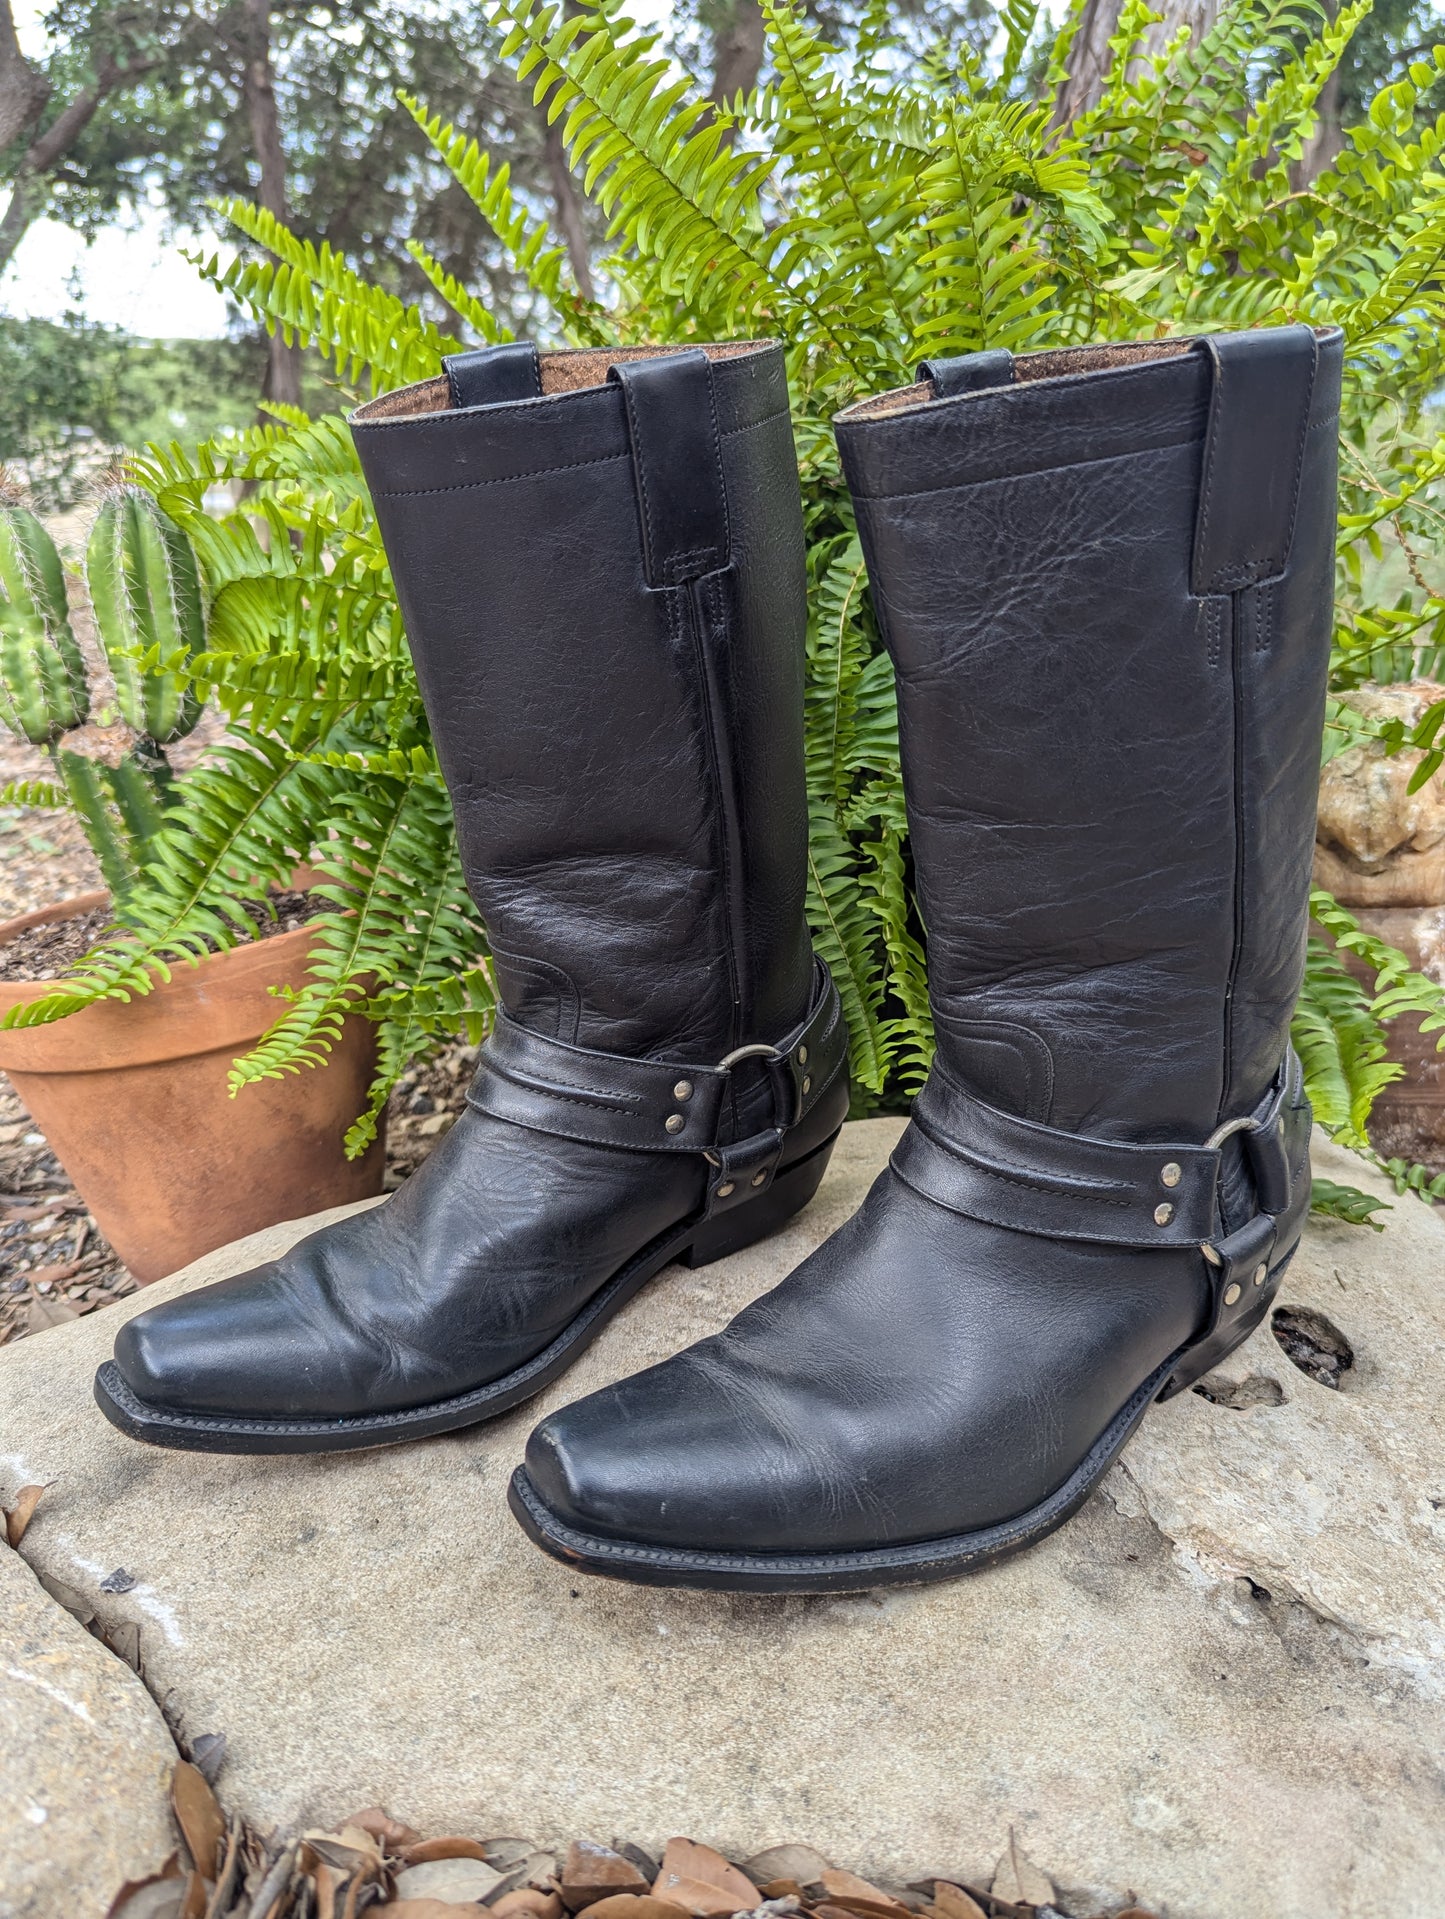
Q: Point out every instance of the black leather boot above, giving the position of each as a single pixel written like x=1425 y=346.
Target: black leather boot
x=1104 y=576
x=599 y=558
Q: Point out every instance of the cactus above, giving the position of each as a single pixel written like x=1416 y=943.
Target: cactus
x=146 y=591
x=43 y=689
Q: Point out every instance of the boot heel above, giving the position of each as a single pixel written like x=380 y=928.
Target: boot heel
x=1204 y=1357
x=745 y=1225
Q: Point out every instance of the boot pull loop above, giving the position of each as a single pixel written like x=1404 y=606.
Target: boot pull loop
x=677 y=465
x=969 y=373
x=491 y=375
x=1259 y=415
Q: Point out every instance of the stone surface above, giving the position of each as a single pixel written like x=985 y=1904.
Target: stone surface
x=1219 y=1686
x=85 y=1761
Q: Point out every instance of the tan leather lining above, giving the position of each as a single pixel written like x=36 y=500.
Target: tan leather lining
x=1055 y=364
x=570 y=370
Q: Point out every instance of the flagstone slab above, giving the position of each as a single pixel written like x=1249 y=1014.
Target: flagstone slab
x=85 y=1761
x=1219 y=1687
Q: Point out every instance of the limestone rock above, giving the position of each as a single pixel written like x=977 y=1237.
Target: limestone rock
x=85 y=1761
x=1380 y=844
x=1217 y=1687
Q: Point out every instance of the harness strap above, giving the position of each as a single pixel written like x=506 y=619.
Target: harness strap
x=663 y=1106
x=990 y=1165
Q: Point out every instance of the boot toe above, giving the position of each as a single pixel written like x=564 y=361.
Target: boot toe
x=227 y=1349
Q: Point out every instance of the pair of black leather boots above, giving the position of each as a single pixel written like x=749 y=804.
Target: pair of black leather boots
x=1104 y=576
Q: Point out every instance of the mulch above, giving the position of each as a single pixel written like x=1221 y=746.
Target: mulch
x=373 y=1863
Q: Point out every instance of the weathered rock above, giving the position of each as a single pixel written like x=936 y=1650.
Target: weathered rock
x=1218 y=1686
x=1380 y=844
x=85 y=1761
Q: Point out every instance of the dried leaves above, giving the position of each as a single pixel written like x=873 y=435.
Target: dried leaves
x=19 y=1516
x=375 y=1866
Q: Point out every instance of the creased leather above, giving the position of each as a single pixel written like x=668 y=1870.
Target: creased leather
x=625 y=763
x=1110 y=790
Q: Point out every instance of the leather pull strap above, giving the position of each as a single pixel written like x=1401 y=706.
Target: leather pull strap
x=491 y=375
x=969 y=373
x=677 y=463
x=1259 y=411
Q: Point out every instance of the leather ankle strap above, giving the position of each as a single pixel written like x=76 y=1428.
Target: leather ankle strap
x=990 y=1165
x=663 y=1106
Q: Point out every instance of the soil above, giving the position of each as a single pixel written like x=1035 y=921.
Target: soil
x=46 y=952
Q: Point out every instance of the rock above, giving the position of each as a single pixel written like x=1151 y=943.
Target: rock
x=85 y=1761
x=1380 y=844
x=1218 y=1688
x=455 y=1882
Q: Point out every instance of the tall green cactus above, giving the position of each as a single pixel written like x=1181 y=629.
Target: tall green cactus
x=43 y=689
x=145 y=587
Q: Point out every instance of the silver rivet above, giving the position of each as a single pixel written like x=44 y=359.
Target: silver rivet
x=726 y=1188
x=760 y=1179
x=802 y=1056
x=674 y=1122
x=807 y=1086
x=1171 y=1174
x=1261 y=1274
x=1163 y=1214
x=1231 y=1294
x=683 y=1089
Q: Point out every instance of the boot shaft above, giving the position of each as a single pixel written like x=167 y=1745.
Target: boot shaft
x=1105 y=577
x=599 y=560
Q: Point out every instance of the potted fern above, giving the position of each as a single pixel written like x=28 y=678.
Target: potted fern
x=870 y=208
x=132 y=1092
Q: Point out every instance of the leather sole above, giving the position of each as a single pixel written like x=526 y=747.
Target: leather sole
x=695 y=1243
x=861 y=1569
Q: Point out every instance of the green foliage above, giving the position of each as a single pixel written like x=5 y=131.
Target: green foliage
x=867 y=208
x=71 y=390
x=1347 y=1203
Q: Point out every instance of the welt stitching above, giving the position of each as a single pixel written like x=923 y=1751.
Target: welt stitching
x=499 y=479
x=1206 y=494
x=1299 y=456
x=730 y=432
x=1027 y=473
x=639 y=467
x=715 y=448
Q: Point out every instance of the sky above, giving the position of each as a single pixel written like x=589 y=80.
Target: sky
x=133 y=277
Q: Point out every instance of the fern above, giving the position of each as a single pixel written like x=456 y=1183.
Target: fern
x=868 y=207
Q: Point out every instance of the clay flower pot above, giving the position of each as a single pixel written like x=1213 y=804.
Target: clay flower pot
x=131 y=1095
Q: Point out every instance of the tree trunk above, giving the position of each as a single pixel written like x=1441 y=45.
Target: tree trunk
x=283 y=363
x=1327 y=141
x=567 y=202
x=23 y=91
x=30 y=188
x=737 y=52
x=1090 y=59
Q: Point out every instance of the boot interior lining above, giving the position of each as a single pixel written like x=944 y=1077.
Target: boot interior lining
x=1056 y=364
x=570 y=370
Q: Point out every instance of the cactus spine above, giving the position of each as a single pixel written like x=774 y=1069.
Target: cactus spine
x=43 y=689
x=146 y=591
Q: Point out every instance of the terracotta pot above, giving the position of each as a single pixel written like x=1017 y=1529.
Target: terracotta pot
x=131 y=1095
